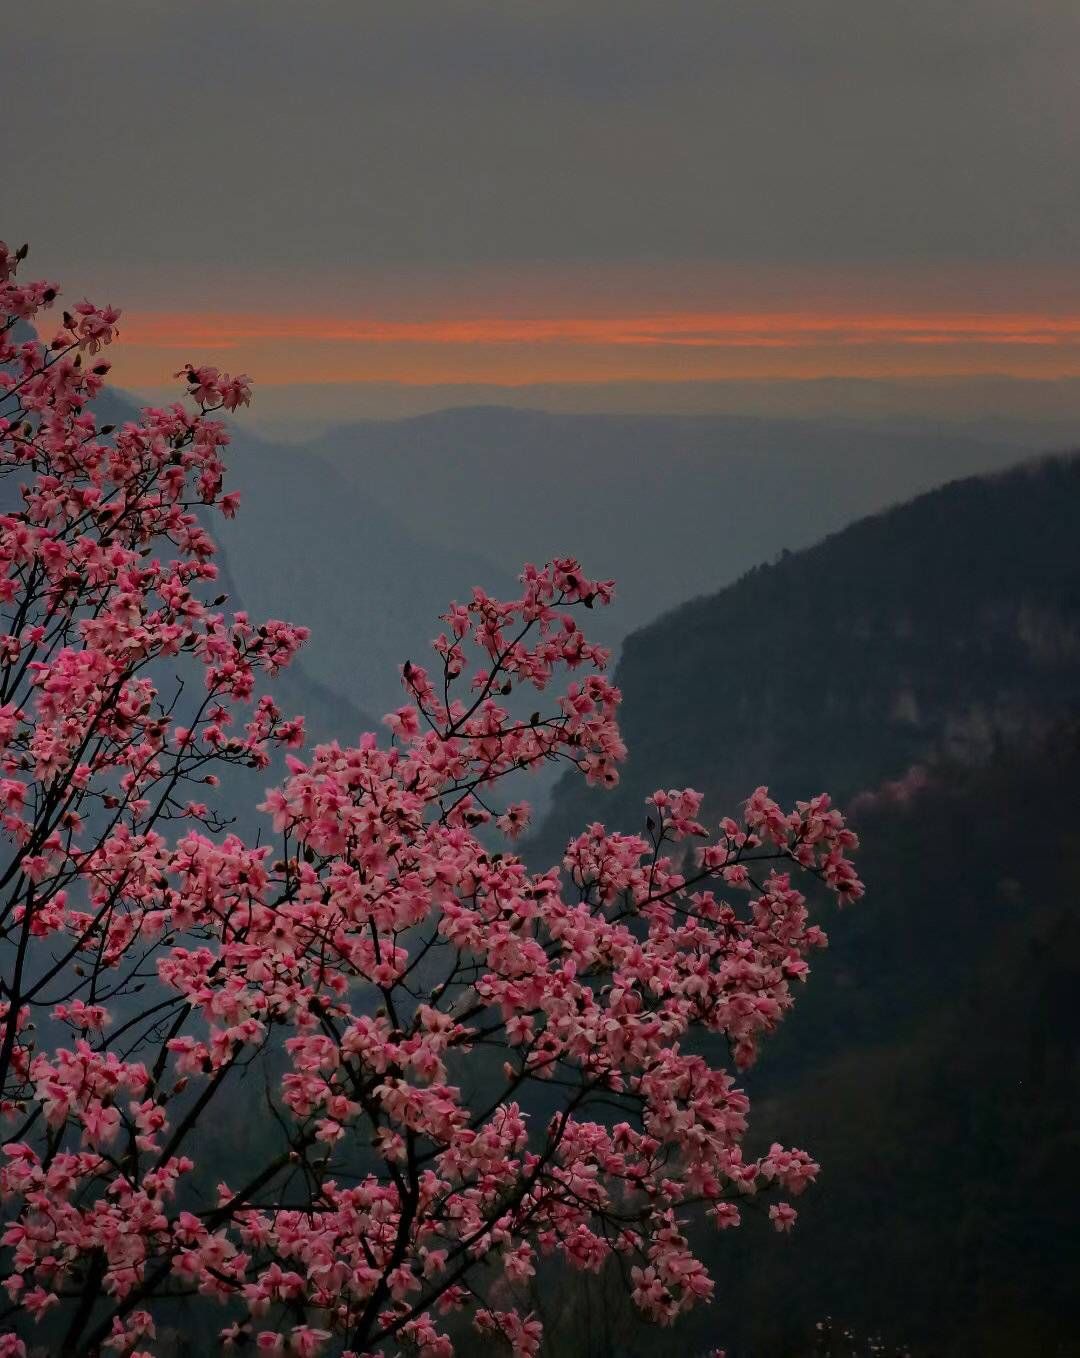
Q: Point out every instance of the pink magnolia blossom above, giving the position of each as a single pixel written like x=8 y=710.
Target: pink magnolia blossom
x=358 y=960
x=782 y=1215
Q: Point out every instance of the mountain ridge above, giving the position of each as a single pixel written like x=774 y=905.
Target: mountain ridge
x=787 y=660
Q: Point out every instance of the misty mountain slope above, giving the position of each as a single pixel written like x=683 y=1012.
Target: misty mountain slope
x=315 y=548
x=329 y=714
x=943 y=626
x=669 y=506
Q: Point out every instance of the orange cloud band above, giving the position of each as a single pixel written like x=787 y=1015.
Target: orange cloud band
x=716 y=329
x=292 y=347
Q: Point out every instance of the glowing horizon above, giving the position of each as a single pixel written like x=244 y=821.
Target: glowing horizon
x=659 y=346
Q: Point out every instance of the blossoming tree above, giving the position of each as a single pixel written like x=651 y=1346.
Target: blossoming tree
x=372 y=954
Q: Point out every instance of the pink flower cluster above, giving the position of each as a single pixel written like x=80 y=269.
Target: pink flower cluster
x=405 y=982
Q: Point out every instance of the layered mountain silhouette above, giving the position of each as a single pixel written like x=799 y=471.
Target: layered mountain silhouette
x=367 y=532
x=313 y=546
x=669 y=506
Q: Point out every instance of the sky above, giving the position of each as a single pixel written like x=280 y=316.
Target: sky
x=637 y=196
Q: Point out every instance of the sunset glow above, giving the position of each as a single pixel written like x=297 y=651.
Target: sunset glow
x=696 y=345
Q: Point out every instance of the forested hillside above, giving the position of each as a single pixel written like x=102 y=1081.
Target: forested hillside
x=932 y=1063
x=942 y=627
x=933 y=1068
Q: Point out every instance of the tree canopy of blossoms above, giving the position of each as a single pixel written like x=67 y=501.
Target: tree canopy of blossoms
x=453 y=1066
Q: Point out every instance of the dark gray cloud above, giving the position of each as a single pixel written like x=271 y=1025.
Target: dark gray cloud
x=343 y=131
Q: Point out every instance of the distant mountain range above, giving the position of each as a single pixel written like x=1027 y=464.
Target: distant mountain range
x=670 y=506
x=367 y=532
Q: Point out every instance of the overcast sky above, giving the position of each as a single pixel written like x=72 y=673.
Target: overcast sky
x=490 y=158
